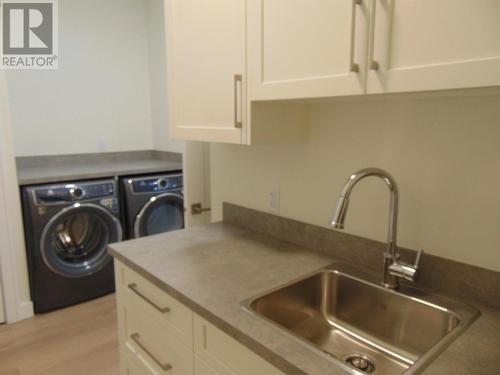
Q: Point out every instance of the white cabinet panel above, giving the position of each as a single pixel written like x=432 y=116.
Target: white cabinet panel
x=202 y=368
x=156 y=306
x=224 y=354
x=305 y=49
x=149 y=339
x=133 y=364
x=431 y=45
x=206 y=52
x=156 y=345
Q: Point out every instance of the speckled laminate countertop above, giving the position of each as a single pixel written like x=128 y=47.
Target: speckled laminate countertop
x=213 y=268
x=82 y=169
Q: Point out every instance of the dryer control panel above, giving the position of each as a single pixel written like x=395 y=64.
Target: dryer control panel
x=156 y=184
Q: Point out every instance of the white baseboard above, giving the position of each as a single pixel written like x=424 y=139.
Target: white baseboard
x=25 y=310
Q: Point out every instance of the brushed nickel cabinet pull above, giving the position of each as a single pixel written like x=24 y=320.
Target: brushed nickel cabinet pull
x=354 y=67
x=133 y=288
x=373 y=64
x=238 y=81
x=137 y=339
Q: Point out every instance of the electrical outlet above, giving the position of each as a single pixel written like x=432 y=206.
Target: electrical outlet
x=274 y=201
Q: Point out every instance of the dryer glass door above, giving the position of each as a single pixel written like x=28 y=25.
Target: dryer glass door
x=162 y=213
x=73 y=244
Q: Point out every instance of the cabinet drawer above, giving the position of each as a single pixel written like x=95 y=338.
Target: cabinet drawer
x=134 y=364
x=153 y=303
x=224 y=354
x=158 y=348
x=201 y=368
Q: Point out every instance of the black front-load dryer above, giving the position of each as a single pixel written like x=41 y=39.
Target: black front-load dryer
x=153 y=204
x=68 y=227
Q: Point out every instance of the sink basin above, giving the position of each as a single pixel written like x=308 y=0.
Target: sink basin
x=347 y=316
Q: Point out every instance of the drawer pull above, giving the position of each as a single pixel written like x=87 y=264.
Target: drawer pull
x=133 y=288
x=137 y=339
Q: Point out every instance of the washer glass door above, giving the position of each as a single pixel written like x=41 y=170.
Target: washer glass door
x=74 y=242
x=162 y=213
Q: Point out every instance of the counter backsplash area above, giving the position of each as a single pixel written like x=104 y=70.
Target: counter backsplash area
x=441 y=275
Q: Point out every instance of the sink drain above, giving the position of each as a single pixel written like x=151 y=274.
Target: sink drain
x=361 y=362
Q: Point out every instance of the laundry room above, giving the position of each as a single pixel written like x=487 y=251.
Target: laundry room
x=249 y=187
x=92 y=158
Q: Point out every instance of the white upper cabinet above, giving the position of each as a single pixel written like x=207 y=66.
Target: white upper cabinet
x=206 y=61
x=433 y=45
x=306 y=49
x=233 y=65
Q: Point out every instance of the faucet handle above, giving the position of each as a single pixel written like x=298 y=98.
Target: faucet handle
x=417 y=259
x=404 y=270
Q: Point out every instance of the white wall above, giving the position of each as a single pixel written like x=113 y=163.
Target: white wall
x=101 y=91
x=158 y=78
x=444 y=154
x=100 y=94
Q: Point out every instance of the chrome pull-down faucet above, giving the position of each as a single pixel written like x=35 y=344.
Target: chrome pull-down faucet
x=394 y=269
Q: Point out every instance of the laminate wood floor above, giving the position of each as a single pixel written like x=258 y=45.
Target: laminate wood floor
x=78 y=340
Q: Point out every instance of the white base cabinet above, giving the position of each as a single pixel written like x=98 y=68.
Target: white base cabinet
x=220 y=353
x=160 y=336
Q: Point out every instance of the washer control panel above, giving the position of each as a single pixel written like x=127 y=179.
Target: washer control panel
x=75 y=192
x=156 y=184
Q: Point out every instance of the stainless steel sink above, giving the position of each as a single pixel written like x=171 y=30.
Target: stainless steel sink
x=366 y=328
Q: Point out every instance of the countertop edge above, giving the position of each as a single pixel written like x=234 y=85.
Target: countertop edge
x=92 y=175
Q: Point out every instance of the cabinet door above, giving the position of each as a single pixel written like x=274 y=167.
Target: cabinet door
x=134 y=365
x=206 y=69
x=433 y=45
x=225 y=356
x=306 y=49
x=151 y=341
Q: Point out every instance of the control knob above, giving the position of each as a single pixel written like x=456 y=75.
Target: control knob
x=76 y=192
x=162 y=183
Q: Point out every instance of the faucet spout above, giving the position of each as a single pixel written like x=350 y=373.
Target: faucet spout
x=391 y=257
x=343 y=201
x=340 y=211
